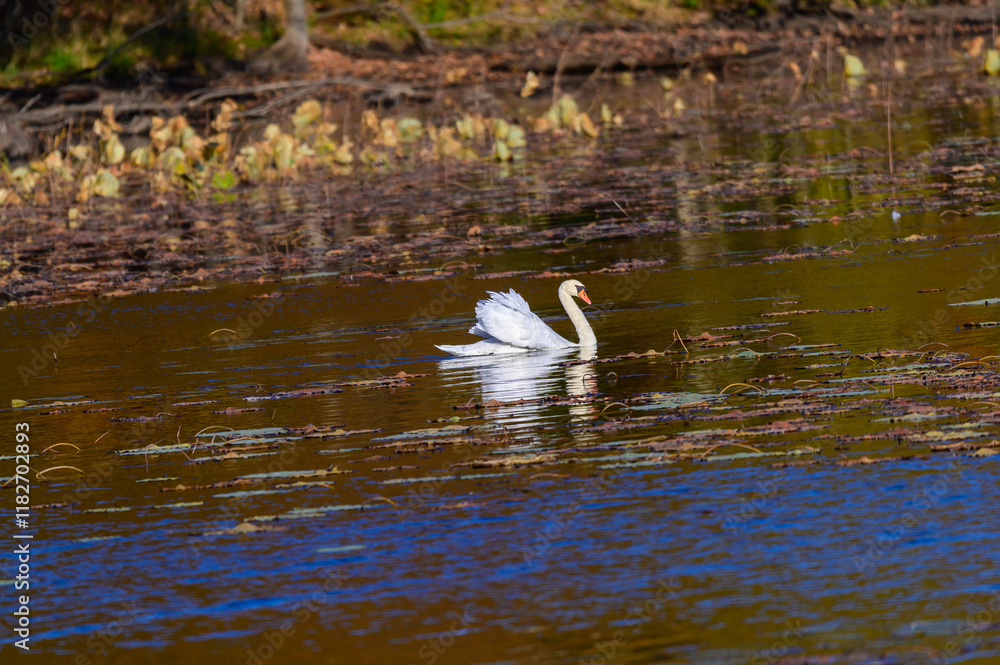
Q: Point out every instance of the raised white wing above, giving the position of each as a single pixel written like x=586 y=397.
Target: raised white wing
x=508 y=318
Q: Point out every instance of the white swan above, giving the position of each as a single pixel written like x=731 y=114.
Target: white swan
x=509 y=325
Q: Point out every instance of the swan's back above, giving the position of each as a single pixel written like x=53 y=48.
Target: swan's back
x=508 y=318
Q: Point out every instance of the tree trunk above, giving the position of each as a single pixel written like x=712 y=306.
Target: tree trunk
x=288 y=54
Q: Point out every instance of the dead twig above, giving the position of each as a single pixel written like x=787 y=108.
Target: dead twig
x=745 y=385
x=733 y=443
x=56 y=468
x=61 y=444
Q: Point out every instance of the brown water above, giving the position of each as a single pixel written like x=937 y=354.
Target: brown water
x=567 y=530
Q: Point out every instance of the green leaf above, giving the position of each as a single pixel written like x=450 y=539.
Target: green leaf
x=409 y=129
x=224 y=180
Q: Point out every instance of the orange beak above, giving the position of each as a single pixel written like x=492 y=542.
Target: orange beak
x=583 y=296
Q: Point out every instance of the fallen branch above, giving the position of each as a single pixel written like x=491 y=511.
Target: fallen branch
x=54 y=117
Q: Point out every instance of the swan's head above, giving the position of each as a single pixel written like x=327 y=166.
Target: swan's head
x=574 y=287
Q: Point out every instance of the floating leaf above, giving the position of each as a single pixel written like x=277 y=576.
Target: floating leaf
x=337 y=550
x=282 y=475
x=180 y=504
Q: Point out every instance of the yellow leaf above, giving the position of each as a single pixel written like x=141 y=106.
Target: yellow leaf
x=114 y=151
x=370 y=120
x=585 y=126
x=530 y=84
x=516 y=137
x=106 y=184
x=343 y=154
x=567 y=110
x=853 y=65
x=271 y=132
x=80 y=152
x=283 y=152
x=223 y=121
x=501 y=128
x=9 y=196
x=109 y=118
x=388 y=133
x=991 y=64
x=307 y=113
x=501 y=152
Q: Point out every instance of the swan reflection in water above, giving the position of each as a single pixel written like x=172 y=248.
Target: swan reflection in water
x=525 y=376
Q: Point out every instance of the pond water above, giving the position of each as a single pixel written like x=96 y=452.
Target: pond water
x=562 y=506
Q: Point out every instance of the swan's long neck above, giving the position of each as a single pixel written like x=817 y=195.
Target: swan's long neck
x=583 y=329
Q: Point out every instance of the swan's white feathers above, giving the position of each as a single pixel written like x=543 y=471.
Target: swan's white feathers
x=508 y=318
x=508 y=325
x=486 y=347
